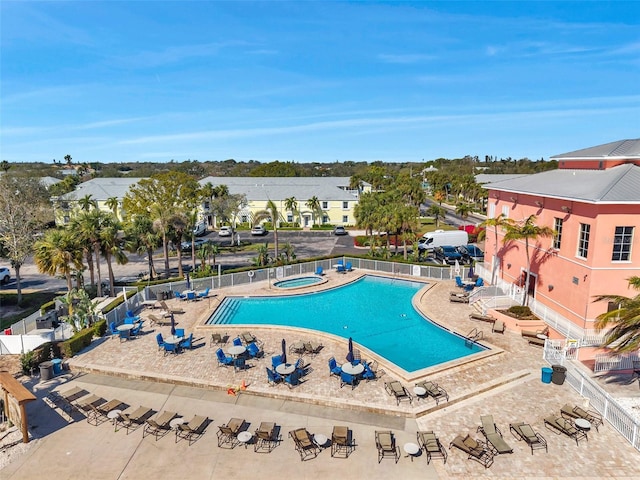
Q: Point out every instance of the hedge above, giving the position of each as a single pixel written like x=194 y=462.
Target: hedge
x=80 y=340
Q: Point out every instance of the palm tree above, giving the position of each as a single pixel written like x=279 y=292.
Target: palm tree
x=464 y=209
x=141 y=238
x=497 y=222
x=58 y=252
x=86 y=203
x=270 y=212
x=178 y=224
x=262 y=259
x=112 y=247
x=291 y=204
x=112 y=203
x=209 y=251
x=526 y=231
x=437 y=212
x=87 y=226
x=314 y=205
x=624 y=336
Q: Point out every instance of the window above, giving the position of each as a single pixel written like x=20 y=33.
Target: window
x=505 y=211
x=325 y=219
x=244 y=219
x=289 y=218
x=345 y=219
x=66 y=219
x=583 y=241
x=622 y=244
x=345 y=205
x=207 y=205
x=492 y=210
x=325 y=205
x=557 y=228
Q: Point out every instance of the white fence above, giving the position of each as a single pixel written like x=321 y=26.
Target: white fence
x=605 y=363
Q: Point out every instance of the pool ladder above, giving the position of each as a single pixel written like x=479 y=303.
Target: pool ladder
x=473 y=336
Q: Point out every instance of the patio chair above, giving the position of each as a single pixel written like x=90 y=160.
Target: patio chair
x=170 y=348
x=129 y=314
x=523 y=431
x=431 y=446
x=561 y=425
x=193 y=430
x=254 y=351
x=303 y=368
x=88 y=403
x=114 y=330
x=534 y=334
x=131 y=421
x=593 y=417
x=160 y=341
x=228 y=434
x=297 y=347
x=377 y=371
x=479 y=282
x=237 y=342
x=340 y=268
x=334 y=368
x=192 y=296
x=266 y=437
x=342 y=441
x=124 y=335
x=319 y=270
x=218 y=339
x=396 y=389
x=474 y=449
x=348 y=267
x=173 y=310
x=159 y=320
x=498 y=327
x=239 y=363
x=203 y=294
x=493 y=435
x=304 y=444
x=179 y=296
x=179 y=332
x=248 y=337
x=347 y=379
x=368 y=373
x=276 y=360
x=273 y=377
x=292 y=379
x=434 y=390
x=187 y=342
x=135 y=331
x=312 y=348
x=224 y=360
x=386 y=445
x=459 y=281
x=159 y=426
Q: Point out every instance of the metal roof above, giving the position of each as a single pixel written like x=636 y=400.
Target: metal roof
x=620 y=184
x=101 y=189
x=621 y=149
x=497 y=177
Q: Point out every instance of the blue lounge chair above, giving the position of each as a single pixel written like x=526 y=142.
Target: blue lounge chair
x=160 y=341
x=459 y=282
x=188 y=342
x=237 y=342
x=347 y=379
x=203 y=294
x=334 y=368
x=253 y=350
x=273 y=377
x=170 y=348
x=276 y=360
x=319 y=270
x=223 y=359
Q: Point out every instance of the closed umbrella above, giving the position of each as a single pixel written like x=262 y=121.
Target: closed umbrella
x=350 y=354
x=471 y=273
x=284 y=351
x=456 y=268
x=173 y=325
x=188 y=282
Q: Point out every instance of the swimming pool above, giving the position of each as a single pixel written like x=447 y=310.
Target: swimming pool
x=298 y=282
x=375 y=311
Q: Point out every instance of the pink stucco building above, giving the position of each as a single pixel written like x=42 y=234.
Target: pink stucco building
x=592 y=202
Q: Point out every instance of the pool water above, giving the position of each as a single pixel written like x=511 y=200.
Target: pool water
x=297 y=282
x=375 y=311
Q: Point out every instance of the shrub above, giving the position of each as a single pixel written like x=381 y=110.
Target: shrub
x=520 y=311
x=47 y=307
x=80 y=340
x=27 y=362
x=99 y=328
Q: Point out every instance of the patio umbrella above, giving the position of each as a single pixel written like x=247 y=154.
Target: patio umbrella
x=173 y=325
x=470 y=274
x=350 y=354
x=188 y=282
x=284 y=351
x=456 y=268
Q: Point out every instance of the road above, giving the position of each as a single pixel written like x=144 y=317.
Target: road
x=452 y=219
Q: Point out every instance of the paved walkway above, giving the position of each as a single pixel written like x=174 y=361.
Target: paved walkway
x=506 y=385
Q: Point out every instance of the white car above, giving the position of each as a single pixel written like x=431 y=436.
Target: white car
x=259 y=230
x=225 y=231
x=5 y=275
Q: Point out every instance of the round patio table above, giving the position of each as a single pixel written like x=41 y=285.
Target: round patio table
x=583 y=424
x=126 y=326
x=285 y=368
x=352 y=369
x=177 y=421
x=236 y=350
x=411 y=449
x=244 y=438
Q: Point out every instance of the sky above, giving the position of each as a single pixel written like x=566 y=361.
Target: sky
x=305 y=81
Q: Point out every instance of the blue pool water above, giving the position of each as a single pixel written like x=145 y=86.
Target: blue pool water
x=297 y=282
x=375 y=311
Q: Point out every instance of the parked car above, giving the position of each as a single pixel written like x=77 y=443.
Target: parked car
x=447 y=254
x=471 y=253
x=259 y=230
x=5 y=275
x=340 y=231
x=225 y=231
x=200 y=229
x=186 y=246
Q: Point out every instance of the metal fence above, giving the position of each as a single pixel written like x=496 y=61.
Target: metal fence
x=605 y=362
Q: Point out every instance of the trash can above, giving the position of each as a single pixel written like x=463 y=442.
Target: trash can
x=46 y=371
x=546 y=375
x=559 y=374
x=57 y=366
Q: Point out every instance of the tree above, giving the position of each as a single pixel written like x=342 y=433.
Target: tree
x=5 y=166
x=291 y=204
x=178 y=224
x=88 y=225
x=58 y=252
x=527 y=230
x=263 y=258
x=112 y=204
x=314 y=205
x=270 y=212
x=437 y=212
x=464 y=209
x=141 y=238
x=497 y=222
x=68 y=159
x=86 y=203
x=24 y=208
x=624 y=335
x=112 y=248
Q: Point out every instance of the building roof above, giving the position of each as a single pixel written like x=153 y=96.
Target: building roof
x=101 y=189
x=497 y=177
x=48 y=181
x=615 y=185
x=279 y=188
x=622 y=149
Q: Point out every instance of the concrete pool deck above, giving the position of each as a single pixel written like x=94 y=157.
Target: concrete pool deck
x=506 y=385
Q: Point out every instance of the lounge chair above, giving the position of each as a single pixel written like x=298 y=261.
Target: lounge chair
x=304 y=444
x=341 y=441
x=297 y=347
x=534 y=334
x=97 y=414
x=88 y=403
x=266 y=437
x=131 y=421
x=396 y=389
x=228 y=434
x=434 y=390
x=218 y=339
x=312 y=348
x=159 y=319
x=159 y=426
x=172 y=310
x=64 y=400
x=523 y=431
x=386 y=445
x=431 y=445
x=459 y=298
x=248 y=338
x=193 y=430
x=498 y=327
x=593 y=417
x=459 y=281
x=562 y=425
x=474 y=449
x=536 y=341
x=493 y=435
x=483 y=318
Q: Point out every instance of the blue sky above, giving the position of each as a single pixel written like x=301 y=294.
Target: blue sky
x=315 y=81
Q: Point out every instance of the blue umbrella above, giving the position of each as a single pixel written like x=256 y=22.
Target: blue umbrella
x=284 y=351
x=350 y=354
x=470 y=274
x=173 y=325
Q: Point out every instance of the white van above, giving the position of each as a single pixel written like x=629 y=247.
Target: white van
x=439 y=238
x=200 y=229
